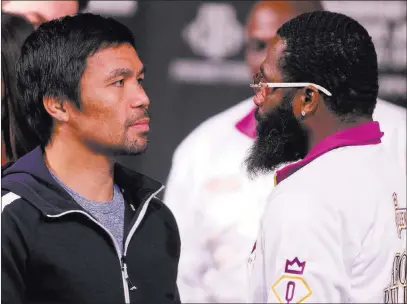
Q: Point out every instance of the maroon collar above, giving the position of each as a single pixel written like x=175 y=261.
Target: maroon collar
x=364 y=134
x=247 y=125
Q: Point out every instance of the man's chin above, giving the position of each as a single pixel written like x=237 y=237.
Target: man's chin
x=133 y=150
x=136 y=147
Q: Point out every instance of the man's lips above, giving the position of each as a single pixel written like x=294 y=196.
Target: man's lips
x=141 y=124
x=144 y=121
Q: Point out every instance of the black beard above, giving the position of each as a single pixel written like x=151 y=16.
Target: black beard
x=280 y=139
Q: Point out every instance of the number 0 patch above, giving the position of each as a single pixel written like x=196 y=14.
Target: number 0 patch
x=291 y=289
x=291 y=286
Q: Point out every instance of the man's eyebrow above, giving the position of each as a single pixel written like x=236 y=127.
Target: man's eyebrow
x=119 y=72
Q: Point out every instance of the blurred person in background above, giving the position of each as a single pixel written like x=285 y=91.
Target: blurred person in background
x=76 y=226
x=333 y=230
x=38 y=12
x=17 y=137
x=216 y=205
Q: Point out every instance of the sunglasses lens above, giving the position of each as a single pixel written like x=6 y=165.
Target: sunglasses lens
x=256 y=45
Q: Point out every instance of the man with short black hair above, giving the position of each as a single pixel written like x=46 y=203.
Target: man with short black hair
x=76 y=226
x=335 y=222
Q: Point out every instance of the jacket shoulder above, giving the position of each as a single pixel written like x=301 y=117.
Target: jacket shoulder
x=19 y=219
x=9 y=199
x=161 y=210
x=13 y=205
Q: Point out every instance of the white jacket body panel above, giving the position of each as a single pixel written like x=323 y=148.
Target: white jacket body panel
x=336 y=216
x=393 y=122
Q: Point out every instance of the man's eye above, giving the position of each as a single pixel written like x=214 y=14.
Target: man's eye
x=118 y=83
x=140 y=81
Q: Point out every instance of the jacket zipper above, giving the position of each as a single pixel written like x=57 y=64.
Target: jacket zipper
x=122 y=258
x=140 y=217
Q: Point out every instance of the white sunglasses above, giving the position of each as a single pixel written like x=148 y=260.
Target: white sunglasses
x=287 y=85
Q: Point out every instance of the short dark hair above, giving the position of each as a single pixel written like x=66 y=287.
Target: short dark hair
x=336 y=52
x=18 y=138
x=53 y=60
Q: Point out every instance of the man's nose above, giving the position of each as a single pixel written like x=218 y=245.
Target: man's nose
x=140 y=99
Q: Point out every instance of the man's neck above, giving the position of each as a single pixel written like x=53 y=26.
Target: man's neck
x=80 y=169
x=332 y=127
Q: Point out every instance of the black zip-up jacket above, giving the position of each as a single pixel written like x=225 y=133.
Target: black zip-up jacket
x=53 y=251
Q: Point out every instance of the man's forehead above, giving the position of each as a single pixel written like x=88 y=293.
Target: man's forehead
x=123 y=56
x=120 y=52
x=276 y=49
x=274 y=52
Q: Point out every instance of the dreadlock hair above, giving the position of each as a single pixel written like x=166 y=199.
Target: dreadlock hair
x=336 y=52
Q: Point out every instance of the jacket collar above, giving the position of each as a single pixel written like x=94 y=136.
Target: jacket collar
x=364 y=134
x=247 y=125
x=30 y=178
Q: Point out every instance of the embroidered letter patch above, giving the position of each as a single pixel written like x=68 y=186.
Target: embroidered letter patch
x=401 y=216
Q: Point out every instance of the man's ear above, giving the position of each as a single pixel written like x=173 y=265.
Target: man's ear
x=56 y=107
x=309 y=100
